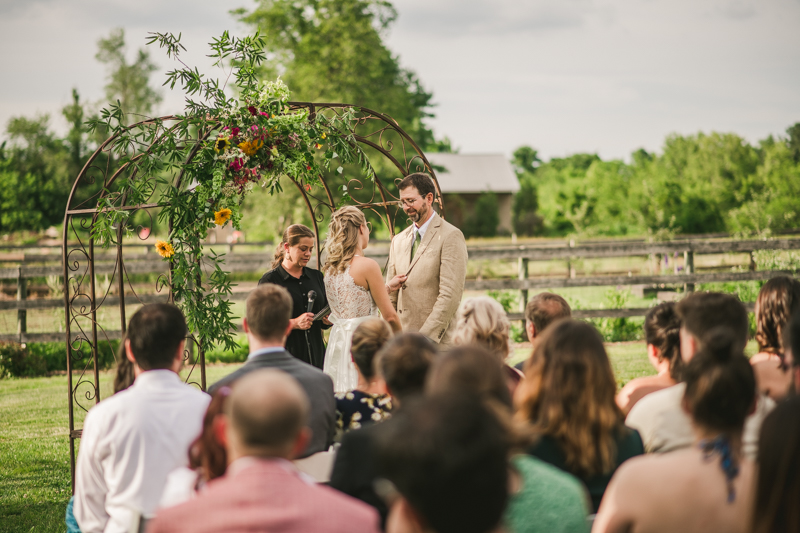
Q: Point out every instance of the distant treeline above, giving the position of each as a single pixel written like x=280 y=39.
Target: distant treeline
x=702 y=183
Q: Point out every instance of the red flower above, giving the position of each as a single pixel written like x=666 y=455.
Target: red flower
x=308 y=167
x=253 y=110
x=236 y=165
x=308 y=186
x=235 y=132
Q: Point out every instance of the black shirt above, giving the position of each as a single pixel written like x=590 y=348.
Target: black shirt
x=298 y=289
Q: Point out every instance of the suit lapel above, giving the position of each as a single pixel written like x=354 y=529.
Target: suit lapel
x=426 y=240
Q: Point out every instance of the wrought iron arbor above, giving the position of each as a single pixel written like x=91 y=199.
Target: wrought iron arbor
x=90 y=304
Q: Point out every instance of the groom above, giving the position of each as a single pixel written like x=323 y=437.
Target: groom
x=427 y=264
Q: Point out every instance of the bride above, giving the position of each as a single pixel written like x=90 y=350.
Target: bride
x=355 y=290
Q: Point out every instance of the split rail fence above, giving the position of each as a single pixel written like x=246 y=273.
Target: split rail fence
x=39 y=265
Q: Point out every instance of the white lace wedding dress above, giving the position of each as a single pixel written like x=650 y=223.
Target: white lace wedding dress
x=350 y=305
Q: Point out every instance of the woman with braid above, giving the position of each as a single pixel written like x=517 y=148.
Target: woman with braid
x=356 y=291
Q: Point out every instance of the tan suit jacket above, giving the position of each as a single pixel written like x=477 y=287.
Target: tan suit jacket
x=430 y=297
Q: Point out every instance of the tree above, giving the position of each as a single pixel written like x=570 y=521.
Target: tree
x=127 y=83
x=487 y=219
x=526 y=219
x=794 y=141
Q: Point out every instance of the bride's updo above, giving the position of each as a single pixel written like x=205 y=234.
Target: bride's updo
x=342 y=238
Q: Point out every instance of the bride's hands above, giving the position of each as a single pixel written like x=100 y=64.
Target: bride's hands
x=304 y=321
x=396 y=282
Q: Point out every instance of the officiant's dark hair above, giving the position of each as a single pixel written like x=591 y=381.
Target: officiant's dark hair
x=421 y=181
x=291 y=236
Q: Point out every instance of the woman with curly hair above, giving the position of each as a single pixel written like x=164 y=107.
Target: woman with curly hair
x=778 y=299
x=567 y=399
x=355 y=289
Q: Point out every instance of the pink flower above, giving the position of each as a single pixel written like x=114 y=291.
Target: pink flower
x=253 y=110
x=235 y=132
x=264 y=114
x=236 y=165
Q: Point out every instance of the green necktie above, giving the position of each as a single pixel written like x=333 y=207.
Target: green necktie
x=414 y=246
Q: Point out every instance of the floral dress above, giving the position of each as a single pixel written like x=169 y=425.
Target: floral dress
x=355 y=409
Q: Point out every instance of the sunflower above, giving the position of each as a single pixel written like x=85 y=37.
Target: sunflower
x=164 y=249
x=222 y=216
x=222 y=143
x=251 y=147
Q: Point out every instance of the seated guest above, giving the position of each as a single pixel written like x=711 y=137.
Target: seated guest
x=567 y=397
x=123 y=378
x=483 y=321
x=207 y=458
x=791 y=342
x=662 y=331
x=267 y=323
x=778 y=474
x=444 y=461
x=133 y=439
x=541 y=311
x=543 y=498
x=707 y=487
x=265 y=426
x=403 y=362
x=778 y=299
x=369 y=402
x=659 y=417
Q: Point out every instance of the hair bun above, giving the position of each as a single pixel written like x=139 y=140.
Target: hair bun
x=720 y=344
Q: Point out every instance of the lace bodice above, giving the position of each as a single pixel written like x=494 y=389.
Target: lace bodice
x=348 y=300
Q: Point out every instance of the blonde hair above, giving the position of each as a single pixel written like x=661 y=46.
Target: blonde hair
x=481 y=320
x=368 y=338
x=291 y=236
x=342 y=238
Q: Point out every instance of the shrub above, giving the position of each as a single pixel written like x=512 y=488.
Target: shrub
x=219 y=355
x=16 y=361
x=617 y=329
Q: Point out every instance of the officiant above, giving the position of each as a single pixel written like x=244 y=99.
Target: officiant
x=307 y=288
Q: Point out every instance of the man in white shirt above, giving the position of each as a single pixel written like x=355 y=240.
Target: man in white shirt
x=659 y=417
x=134 y=439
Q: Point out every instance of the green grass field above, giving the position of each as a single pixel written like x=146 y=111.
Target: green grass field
x=34 y=448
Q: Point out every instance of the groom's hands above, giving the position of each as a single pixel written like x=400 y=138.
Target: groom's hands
x=396 y=282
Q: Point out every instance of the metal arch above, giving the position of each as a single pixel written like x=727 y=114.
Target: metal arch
x=80 y=267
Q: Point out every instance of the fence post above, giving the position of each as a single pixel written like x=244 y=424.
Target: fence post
x=22 y=314
x=571 y=274
x=522 y=274
x=688 y=268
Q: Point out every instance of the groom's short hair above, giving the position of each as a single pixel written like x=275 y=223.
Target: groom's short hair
x=269 y=309
x=419 y=180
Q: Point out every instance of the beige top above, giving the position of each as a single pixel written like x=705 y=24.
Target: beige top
x=429 y=299
x=665 y=426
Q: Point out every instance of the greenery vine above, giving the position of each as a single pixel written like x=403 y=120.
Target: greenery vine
x=200 y=166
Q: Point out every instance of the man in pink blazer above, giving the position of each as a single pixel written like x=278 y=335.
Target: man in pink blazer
x=264 y=427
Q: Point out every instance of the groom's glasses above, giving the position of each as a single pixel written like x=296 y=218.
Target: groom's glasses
x=408 y=202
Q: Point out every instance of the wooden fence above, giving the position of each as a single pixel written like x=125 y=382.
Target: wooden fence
x=38 y=265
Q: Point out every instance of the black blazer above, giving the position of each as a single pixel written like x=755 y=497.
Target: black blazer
x=354 y=469
x=318 y=387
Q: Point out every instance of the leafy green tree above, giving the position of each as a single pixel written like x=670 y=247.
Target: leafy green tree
x=486 y=217
x=793 y=141
x=128 y=82
x=525 y=217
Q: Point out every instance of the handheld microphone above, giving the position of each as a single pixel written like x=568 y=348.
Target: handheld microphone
x=311 y=297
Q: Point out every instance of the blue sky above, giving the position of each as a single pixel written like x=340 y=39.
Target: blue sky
x=564 y=76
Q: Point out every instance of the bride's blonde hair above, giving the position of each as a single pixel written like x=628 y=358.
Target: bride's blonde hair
x=342 y=238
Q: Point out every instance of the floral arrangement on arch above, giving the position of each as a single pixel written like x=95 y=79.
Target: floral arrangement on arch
x=203 y=163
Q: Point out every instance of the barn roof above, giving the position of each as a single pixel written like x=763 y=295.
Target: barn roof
x=474 y=173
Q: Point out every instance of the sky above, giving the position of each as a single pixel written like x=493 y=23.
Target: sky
x=563 y=76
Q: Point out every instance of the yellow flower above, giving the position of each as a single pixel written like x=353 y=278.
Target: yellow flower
x=222 y=216
x=251 y=147
x=164 y=249
x=323 y=135
x=222 y=143
x=319 y=146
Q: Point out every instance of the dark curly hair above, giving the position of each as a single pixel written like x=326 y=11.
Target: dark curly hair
x=778 y=299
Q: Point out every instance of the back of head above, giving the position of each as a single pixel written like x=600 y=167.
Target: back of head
x=447 y=456
x=482 y=320
x=368 y=338
x=469 y=370
x=778 y=483
x=404 y=362
x=266 y=409
x=662 y=329
x=155 y=332
x=268 y=311
x=291 y=236
x=568 y=393
x=702 y=312
x=791 y=337
x=342 y=238
x=544 y=309
x=206 y=453
x=420 y=181
x=778 y=299
x=720 y=384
